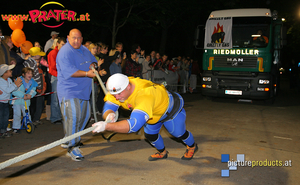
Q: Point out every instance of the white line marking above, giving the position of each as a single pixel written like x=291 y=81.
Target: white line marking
x=283 y=138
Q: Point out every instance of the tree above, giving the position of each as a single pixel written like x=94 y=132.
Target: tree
x=117 y=13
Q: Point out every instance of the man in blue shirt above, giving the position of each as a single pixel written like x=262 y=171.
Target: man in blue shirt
x=74 y=79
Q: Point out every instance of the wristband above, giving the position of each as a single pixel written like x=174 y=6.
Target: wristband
x=86 y=74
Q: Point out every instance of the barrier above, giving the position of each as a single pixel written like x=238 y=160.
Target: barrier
x=173 y=79
x=32 y=97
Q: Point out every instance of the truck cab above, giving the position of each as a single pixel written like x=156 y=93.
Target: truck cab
x=242 y=54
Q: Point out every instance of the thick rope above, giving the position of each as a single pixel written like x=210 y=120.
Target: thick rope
x=44 y=148
x=103 y=88
x=94 y=108
x=56 y=143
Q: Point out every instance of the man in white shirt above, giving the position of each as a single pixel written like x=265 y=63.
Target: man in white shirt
x=49 y=43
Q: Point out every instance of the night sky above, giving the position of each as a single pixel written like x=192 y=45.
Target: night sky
x=143 y=29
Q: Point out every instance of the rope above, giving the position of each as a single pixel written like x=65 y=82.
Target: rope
x=94 y=108
x=56 y=143
x=44 y=148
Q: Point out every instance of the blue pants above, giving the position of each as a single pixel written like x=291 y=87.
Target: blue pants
x=17 y=115
x=4 y=116
x=75 y=114
x=55 y=109
x=176 y=127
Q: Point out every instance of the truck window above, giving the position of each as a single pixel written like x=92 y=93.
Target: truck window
x=250 y=32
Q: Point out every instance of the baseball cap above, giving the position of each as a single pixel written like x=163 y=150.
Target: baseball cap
x=5 y=67
x=53 y=33
x=36 y=51
x=117 y=83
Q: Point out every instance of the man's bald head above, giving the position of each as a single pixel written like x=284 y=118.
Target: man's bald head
x=75 y=38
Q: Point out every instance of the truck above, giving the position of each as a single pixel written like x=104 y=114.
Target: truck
x=241 y=54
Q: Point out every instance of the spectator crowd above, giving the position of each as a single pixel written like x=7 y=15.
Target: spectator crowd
x=24 y=76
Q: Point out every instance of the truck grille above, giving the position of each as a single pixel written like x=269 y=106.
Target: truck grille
x=235 y=62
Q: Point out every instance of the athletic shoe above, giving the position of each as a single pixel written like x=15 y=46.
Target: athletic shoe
x=1 y=136
x=8 y=129
x=38 y=122
x=6 y=134
x=158 y=155
x=57 y=122
x=75 y=154
x=189 y=153
x=16 y=131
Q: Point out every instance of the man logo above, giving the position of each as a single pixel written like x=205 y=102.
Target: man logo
x=234 y=63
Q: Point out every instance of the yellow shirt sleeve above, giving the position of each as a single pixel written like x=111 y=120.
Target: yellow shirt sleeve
x=146 y=104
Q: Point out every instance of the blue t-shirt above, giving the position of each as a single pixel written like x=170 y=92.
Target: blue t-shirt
x=27 y=85
x=115 y=68
x=68 y=61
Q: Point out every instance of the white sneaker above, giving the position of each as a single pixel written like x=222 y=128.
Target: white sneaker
x=75 y=154
x=8 y=129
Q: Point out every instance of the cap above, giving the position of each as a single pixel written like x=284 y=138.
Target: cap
x=5 y=67
x=53 y=33
x=36 y=51
x=117 y=83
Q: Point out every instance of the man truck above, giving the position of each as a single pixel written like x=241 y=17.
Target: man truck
x=242 y=54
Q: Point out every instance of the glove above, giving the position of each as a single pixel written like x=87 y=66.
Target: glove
x=111 y=118
x=100 y=126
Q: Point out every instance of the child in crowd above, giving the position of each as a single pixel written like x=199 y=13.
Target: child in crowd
x=25 y=92
x=6 y=87
x=40 y=100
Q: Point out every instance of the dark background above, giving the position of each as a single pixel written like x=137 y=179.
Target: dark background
x=148 y=21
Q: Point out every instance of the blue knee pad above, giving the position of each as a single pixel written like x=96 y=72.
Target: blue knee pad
x=137 y=119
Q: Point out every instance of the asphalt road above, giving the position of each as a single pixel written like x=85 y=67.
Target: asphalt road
x=261 y=131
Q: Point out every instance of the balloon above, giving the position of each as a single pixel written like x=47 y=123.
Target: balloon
x=15 y=22
x=15 y=43
x=18 y=36
x=25 y=47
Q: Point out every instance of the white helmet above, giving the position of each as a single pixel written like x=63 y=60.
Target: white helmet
x=117 y=83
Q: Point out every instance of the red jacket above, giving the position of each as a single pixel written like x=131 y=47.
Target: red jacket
x=52 y=61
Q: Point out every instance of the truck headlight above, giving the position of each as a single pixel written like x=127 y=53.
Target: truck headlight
x=206 y=79
x=263 y=81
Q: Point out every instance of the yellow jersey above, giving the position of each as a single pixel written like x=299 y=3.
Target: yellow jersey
x=147 y=96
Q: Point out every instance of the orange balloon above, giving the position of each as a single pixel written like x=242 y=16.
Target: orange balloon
x=26 y=46
x=15 y=43
x=15 y=23
x=18 y=36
